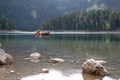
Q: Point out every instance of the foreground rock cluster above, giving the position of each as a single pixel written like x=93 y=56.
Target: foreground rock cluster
x=90 y=66
x=37 y=57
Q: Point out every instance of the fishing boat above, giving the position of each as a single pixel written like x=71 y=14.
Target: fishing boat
x=45 y=33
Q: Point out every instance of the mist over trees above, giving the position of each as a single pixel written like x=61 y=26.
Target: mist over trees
x=92 y=20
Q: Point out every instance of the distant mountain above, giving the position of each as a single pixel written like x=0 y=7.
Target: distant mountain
x=29 y=14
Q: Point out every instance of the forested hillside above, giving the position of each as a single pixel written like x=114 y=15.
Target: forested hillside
x=29 y=14
x=92 y=20
x=6 y=24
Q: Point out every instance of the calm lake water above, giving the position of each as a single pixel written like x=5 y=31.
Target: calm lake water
x=72 y=48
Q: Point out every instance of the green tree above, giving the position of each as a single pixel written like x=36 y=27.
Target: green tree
x=6 y=24
x=108 y=26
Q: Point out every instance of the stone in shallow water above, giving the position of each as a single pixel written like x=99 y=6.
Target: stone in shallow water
x=91 y=77
x=95 y=67
x=35 y=57
x=56 y=60
x=5 y=58
x=44 y=70
x=12 y=71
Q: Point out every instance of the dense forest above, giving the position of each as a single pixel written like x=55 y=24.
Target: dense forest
x=92 y=20
x=6 y=24
x=29 y=14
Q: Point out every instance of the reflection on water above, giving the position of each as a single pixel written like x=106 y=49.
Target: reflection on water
x=6 y=69
x=74 y=49
x=58 y=75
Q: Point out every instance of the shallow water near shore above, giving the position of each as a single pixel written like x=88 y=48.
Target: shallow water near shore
x=73 y=48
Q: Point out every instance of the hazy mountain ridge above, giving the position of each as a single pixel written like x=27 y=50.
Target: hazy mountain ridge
x=29 y=14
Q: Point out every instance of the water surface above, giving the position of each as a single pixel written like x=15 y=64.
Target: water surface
x=74 y=49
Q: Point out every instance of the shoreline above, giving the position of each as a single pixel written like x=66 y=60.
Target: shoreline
x=87 y=32
x=61 y=32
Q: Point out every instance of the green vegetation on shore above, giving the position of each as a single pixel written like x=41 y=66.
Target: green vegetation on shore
x=93 y=20
x=6 y=24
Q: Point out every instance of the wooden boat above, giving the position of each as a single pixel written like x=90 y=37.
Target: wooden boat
x=38 y=33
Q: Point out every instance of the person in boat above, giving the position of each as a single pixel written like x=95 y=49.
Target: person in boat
x=37 y=33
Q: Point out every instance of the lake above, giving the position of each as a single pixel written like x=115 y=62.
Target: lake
x=73 y=48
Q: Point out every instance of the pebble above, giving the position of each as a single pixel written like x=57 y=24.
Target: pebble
x=12 y=71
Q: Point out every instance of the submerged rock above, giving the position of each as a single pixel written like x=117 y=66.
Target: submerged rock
x=91 y=77
x=56 y=60
x=11 y=71
x=35 y=57
x=44 y=70
x=95 y=67
x=5 y=58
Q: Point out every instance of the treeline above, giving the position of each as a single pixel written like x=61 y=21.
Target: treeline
x=93 y=20
x=6 y=24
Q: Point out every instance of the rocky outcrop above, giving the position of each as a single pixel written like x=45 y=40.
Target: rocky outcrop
x=95 y=67
x=5 y=58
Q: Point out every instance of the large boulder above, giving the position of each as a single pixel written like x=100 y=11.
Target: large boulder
x=95 y=67
x=5 y=58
